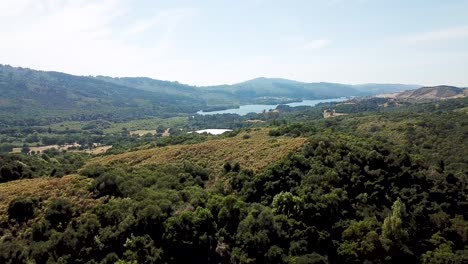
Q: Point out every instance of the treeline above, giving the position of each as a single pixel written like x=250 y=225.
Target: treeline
x=50 y=163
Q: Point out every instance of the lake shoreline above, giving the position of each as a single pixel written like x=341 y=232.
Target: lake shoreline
x=258 y=108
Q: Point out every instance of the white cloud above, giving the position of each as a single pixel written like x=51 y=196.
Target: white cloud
x=316 y=44
x=448 y=34
x=84 y=36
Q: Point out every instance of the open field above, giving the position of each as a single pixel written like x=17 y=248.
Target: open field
x=135 y=125
x=44 y=148
x=331 y=114
x=255 y=121
x=153 y=132
x=143 y=132
x=147 y=124
x=69 y=125
x=96 y=150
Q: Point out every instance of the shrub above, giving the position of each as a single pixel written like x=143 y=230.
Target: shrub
x=22 y=209
x=59 y=213
x=106 y=184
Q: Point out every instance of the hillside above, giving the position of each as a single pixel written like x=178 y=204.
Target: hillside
x=47 y=189
x=429 y=93
x=275 y=87
x=156 y=86
x=41 y=98
x=53 y=96
x=253 y=150
x=436 y=92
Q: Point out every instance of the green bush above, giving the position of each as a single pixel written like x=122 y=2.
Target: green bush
x=22 y=209
x=59 y=212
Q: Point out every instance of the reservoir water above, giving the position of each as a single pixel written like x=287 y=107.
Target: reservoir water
x=245 y=109
x=212 y=131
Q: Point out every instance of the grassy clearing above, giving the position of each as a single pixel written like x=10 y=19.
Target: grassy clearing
x=462 y=110
x=253 y=150
x=96 y=150
x=140 y=124
x=72 y=125
x=143 y=132
x=147 y=124
x=48 y=147
x=69 y=148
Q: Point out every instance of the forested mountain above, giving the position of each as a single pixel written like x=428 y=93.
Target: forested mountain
x=157 y=86
x=276 y=87
x=258 y=90
x=39 y=97
x=35 y=96
x=283 y=88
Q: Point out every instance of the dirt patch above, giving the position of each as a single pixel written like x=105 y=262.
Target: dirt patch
x=41 y=149
x=167 y=132
x=332 y=113
x=96 y=151
x=143 y=132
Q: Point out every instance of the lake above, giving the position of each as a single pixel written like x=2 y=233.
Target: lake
x=245 y=109
x=212 y=131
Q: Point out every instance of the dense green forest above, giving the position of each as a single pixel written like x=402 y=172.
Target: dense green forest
x=380 y=185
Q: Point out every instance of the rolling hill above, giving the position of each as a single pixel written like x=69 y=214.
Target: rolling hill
x=254 y=152
x=428 y=93
x=41 y=97
x=436 y=92
x=289 y=89
x=54 y=96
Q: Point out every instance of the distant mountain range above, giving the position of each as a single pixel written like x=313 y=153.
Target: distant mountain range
x=28 y=94
x=429 y=93
x=259 y=89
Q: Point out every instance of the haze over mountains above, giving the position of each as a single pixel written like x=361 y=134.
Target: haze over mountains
x=261 y=87
x=59 y=95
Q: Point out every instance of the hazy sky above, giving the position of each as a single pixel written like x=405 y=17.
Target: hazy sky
x=212 y=42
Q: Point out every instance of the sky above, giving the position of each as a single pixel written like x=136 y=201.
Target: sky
x=209 y=42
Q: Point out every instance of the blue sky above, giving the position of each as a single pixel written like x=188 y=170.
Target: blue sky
x=213 y=42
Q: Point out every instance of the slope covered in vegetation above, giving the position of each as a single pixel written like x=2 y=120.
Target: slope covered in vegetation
x=253 y=149
x=31 y=97
x=36 y=97
x=385 y=186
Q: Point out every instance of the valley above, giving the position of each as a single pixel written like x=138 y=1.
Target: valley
x=233 y=132
x=141 y=177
